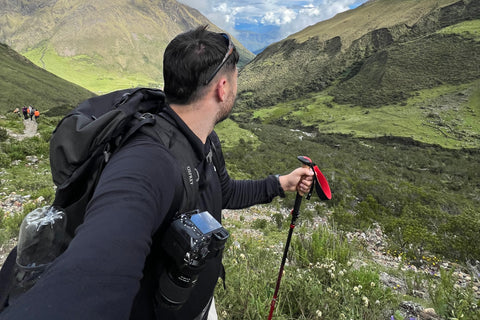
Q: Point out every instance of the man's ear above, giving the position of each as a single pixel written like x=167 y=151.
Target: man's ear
x=221 y=89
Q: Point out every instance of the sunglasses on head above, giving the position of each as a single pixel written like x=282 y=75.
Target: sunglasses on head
x=231 y=46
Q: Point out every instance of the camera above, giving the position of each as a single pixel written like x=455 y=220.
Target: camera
x=189 y=241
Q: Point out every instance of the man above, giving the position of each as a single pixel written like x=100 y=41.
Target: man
x=112 y=267
x=25 y=112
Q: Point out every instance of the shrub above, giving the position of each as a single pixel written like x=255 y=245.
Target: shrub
x=323 y=244
x=260 y=224
x=4 y=160
x=451 y=301
x=3 y=134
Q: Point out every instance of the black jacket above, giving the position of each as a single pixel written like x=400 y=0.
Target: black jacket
x=109 y=269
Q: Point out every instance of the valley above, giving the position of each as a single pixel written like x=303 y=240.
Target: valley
x=384 y=98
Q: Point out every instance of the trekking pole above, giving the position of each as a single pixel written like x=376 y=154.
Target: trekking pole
x=296 y=207
x=320 y=184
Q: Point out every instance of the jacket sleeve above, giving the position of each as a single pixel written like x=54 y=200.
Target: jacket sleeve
x=99 y=275
x=238 y=194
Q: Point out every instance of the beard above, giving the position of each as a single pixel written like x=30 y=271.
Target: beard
x=225 y=110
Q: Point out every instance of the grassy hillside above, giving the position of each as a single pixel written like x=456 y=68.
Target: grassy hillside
x=23 y=83
x=84 y=71
x=428 y=97
x=318 y=56
x=372 y=15
x=450 y=56
x=447 y=116
x=100 y=45
x=420 y=87
x=395 y=181
x=424 y=197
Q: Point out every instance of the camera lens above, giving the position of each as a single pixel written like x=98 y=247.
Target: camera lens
x=175 y=287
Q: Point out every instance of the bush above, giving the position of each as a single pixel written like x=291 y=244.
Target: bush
x=9 y=225
x=4 y=160
x=456 y=236
x=452 y=302
x=34 y=146
x=323 y=244
x=260 y=224
x=3 y=134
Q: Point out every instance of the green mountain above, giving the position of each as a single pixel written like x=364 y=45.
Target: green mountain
x=23 y=83
x=100 y=45
x=390 y=67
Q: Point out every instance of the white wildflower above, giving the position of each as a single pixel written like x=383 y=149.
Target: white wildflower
x=365 y=301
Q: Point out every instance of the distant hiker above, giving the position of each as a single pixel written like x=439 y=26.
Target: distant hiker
x=36 y=114
x=25 y=113
x=124 y=261
x=17 y=112
x=31 y=113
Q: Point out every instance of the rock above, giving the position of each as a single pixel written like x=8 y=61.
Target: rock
x=429 y=314
x=32 y=159
x=392 y=282
x=419 y=294
x=411 y=308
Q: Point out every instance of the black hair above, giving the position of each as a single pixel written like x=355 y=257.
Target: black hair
x=190 y=59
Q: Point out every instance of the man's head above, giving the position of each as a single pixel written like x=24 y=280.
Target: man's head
x=192 y=60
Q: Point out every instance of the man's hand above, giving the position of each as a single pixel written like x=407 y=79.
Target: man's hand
x=299 y=180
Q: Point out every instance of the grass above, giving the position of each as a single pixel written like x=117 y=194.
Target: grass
x=468 y=29
x=325 y=277
x=396 y=73
x=21 y=175
x=309 y=285
x=85 y=72
x=371 y=179
x=431 y=116
x=25 y=84
x=13 y=122
x=232 y=134
x=401 y=183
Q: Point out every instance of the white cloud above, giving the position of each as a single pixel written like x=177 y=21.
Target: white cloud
x=280 y=16
x=289 y=15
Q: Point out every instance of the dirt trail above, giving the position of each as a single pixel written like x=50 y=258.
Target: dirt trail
x=29 y=131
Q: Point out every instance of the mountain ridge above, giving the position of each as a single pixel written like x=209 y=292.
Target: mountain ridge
x=23 y=83
x=109 y=44
x=309 y=62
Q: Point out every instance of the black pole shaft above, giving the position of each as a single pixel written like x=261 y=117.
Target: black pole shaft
x=296 y=208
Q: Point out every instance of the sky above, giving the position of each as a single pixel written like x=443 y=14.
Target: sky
x=256 y=24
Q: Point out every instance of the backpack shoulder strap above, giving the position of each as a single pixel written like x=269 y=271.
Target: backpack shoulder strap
x=7 y=274
x=216 y=151
x=166 y=132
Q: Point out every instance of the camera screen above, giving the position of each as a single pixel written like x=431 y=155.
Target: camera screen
x=205 y=222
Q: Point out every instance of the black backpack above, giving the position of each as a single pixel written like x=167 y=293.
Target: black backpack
x=80 y=147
